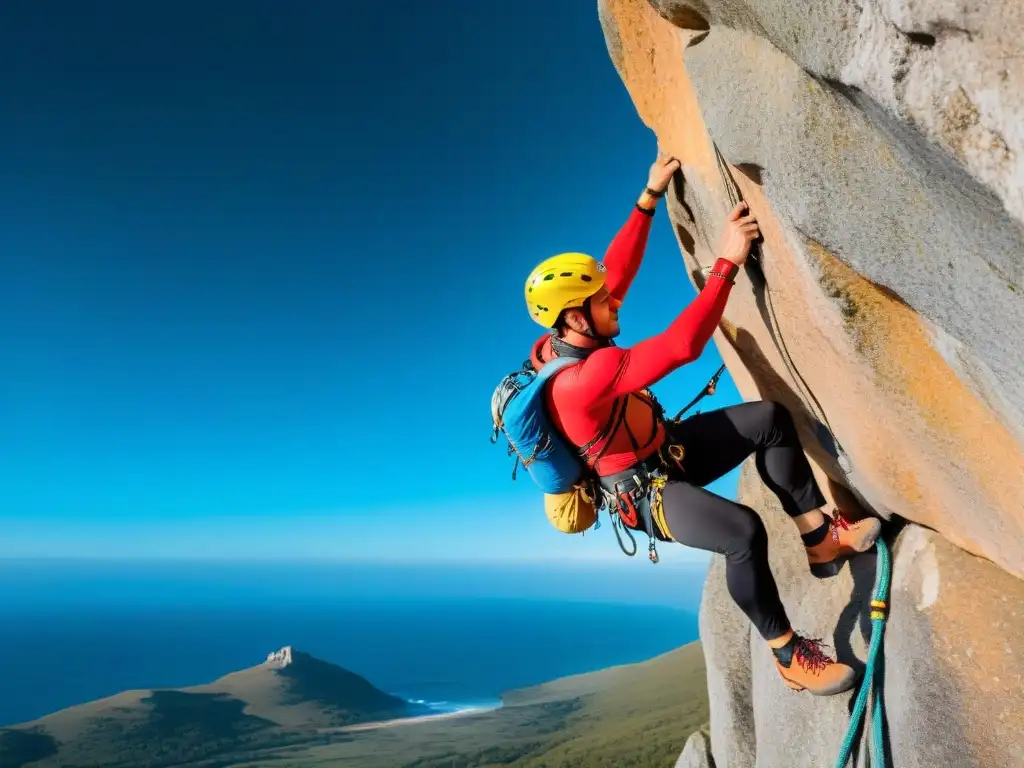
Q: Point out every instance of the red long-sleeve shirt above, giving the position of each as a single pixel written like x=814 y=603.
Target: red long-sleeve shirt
x=582 y=397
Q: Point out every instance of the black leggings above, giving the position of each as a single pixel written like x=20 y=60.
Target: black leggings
x=717 y=442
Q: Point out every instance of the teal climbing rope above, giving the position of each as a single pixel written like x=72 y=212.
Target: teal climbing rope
x=872 y=681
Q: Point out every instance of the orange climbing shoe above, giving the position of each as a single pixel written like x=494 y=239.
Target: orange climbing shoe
x=843 y=540
x=804 y=666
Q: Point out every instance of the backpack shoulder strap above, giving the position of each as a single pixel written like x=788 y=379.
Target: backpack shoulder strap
x=552 y=367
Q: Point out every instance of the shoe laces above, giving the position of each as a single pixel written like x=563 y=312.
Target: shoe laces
x=809 y=655
x=838 y=521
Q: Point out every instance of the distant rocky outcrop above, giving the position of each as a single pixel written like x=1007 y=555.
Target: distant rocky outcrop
x=279 y=659
x=881 y=145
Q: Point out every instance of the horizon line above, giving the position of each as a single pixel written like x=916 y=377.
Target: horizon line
x=560 y=562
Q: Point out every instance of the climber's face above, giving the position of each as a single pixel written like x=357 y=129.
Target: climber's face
x=604 y=309
x=604 y=316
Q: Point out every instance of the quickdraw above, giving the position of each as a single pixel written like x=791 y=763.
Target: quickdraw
x=657 y=504
x=709 y=389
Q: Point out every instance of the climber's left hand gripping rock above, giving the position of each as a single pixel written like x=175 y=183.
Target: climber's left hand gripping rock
x=661 y=173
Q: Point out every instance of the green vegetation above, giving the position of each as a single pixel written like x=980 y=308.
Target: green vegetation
x=180 y=727
x=642 y=719
x=20 y=748
x=633 y=716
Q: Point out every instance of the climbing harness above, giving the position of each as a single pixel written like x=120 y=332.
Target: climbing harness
x=635 y=497
x=873 y=674
x=643 y=501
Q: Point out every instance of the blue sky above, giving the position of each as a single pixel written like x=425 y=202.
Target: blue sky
x=260 y=272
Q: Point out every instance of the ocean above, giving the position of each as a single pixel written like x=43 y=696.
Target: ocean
x=453 y=637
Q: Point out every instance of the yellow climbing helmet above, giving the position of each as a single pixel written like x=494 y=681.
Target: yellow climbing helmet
x=562 y=282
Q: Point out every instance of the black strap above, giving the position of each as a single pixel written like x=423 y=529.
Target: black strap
x=657 y=414
x=629 y=432
x=774 y=327
x=611 y=433
x=618 y=414
x=617 y=419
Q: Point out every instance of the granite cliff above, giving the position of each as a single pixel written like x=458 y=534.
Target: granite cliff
x=881 y=145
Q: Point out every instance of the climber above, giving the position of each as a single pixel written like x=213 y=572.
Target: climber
x=603 y=407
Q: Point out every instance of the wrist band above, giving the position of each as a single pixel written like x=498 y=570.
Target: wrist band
x=647 y=201
x=652 y=193
x=730 y=273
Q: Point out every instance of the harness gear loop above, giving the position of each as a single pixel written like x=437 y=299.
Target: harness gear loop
x=626 y=509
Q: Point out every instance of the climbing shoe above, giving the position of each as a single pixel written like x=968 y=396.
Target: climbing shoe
x=804 y=666
x=840 y=540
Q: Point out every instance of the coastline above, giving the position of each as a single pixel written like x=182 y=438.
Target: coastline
x=154 y=647
x=416 y=719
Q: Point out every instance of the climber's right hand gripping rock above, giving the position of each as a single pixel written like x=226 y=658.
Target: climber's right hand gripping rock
x=738 y=235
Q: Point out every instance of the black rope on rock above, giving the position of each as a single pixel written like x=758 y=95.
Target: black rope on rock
x=775 y=328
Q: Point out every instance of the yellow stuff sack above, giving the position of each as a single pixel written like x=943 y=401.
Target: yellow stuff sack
x=572 y=511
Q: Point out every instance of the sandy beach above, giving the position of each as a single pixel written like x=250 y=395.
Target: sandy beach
x=412 y=720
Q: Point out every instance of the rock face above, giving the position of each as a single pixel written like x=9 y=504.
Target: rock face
x=881 y=146
x=892 y=277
